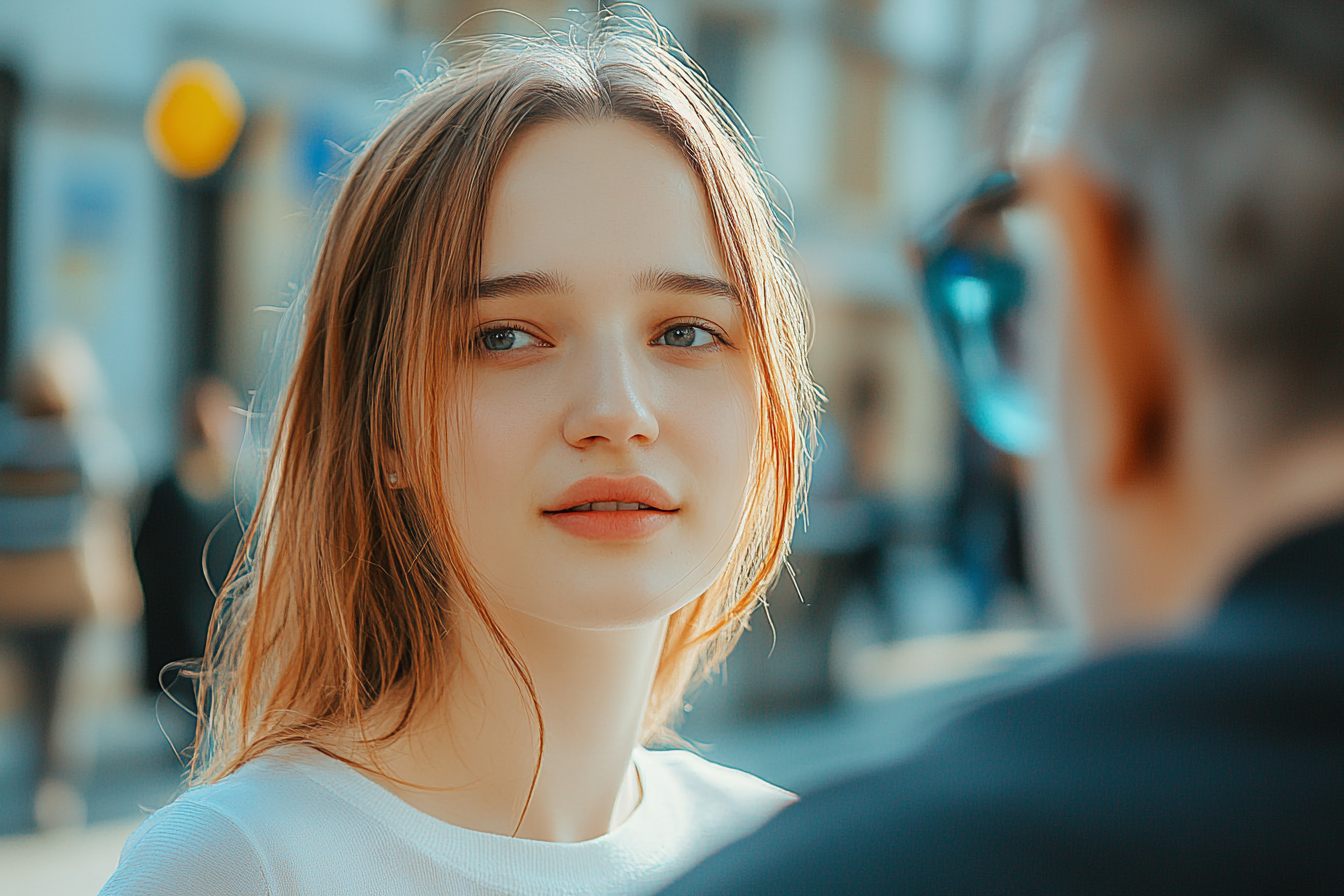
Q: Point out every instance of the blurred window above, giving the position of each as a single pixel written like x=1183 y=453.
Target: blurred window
x=861 y=125
x=9 y=100
x=720 y=42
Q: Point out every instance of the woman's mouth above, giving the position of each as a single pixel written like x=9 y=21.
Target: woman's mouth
x=604 y=508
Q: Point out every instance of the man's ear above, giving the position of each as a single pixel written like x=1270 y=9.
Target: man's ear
x=1119 y=317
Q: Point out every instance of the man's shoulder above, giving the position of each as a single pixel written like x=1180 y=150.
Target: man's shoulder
x=1187 y=757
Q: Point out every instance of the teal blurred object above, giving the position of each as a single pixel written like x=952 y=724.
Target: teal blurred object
x=975 y=287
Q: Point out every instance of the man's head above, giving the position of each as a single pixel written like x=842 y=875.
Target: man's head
x=1195 y=380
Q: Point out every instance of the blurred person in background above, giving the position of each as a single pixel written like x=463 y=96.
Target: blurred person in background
x=986 y=525
x=789 y=664
x=189 y=535
x=44 y=587
x=539 y=458
x=1186 y=504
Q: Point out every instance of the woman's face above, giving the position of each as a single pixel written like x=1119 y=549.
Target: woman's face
x=611 y=411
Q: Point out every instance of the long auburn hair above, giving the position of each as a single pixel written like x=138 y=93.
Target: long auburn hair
x=345 y=592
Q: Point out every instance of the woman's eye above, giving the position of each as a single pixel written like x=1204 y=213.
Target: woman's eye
x=685 y=336
x=503 y=339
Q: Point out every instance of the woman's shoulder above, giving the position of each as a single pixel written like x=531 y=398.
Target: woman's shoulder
x=708 y=790
x=697 y=773
x=189 y=846
x=224 y=837
x=277 y=783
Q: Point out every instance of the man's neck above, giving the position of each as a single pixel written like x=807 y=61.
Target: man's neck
x=473 y=759
x=1291 y=491
x=1234 y=509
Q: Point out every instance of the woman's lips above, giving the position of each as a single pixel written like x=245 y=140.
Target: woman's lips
x=612 y=525
x=605 y=508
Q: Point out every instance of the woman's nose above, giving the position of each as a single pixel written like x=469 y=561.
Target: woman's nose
x=610 y=401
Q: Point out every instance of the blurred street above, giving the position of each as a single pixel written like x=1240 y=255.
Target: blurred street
x=63 y=862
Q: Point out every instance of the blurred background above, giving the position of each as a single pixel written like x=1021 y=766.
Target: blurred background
x=160 y=163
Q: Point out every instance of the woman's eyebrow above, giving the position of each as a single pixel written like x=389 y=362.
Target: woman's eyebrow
x=700 y=284
x=529 y=283
x=549 y=283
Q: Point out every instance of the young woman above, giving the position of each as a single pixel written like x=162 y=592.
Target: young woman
x=540 y=456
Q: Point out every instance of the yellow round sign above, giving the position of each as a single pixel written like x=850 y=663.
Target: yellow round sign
x=194 y=118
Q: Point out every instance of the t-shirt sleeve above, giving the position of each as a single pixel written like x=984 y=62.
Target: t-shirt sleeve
x=188 y=848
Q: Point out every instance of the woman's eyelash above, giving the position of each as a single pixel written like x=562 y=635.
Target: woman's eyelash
x=504 y=337
x=719 y=337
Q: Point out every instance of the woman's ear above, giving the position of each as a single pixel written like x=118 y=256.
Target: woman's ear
x=1120 y=330
x=394 y=473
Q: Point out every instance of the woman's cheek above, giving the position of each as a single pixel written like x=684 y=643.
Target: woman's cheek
x=719 y=429
x=506 y=409
x=500 y=427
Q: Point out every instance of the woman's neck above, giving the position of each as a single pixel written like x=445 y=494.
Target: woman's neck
x=473 y=758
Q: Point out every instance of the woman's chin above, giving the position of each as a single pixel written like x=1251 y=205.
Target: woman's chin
x=612 y=609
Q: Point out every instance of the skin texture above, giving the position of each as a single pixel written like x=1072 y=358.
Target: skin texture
x=588 y=385
x=1154 y=491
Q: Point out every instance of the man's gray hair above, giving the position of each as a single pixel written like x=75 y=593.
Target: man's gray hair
x=1221 y=125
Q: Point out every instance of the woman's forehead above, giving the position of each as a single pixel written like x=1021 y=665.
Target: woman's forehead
x=591 y=199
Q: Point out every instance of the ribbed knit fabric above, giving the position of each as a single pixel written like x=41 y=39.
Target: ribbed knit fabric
x=298 y=822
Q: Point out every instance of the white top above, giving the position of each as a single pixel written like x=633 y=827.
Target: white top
x=297 y=821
